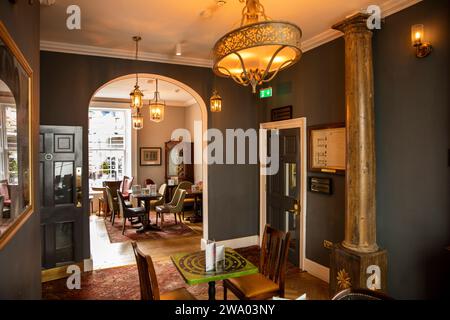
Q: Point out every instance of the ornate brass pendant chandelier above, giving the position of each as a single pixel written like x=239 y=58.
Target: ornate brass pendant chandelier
x=157 y=107
x=136 y=95
x=254 y=53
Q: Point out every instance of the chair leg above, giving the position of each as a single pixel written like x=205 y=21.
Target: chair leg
x=176 y=222
x=157 y=214
x=124 y=222
x=113 y=217
x=225 y=289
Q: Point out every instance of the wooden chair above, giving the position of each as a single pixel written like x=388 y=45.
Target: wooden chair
x=149 y=283
x=174 y=207
x=127 y=212
x=162 y=191
x=103 y=202
x=112 y=205
x=188 y=201
x=270 y=280
x=125 y=187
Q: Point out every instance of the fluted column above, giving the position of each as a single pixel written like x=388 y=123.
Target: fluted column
x=360 y=208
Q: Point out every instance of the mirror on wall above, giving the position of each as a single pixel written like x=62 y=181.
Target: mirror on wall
x=15 y=149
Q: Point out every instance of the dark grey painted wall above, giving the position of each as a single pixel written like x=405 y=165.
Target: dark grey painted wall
x=316 y=90
x=412 y=128
x=20 y=260
x=412 y=114
x=69 y=81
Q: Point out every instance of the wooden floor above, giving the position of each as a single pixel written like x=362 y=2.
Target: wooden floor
x=108 y=255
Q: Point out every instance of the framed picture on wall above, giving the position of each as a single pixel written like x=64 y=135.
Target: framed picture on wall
x=151 y=156
x=327 y=148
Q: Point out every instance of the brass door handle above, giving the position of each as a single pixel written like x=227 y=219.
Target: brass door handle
x=296 y=210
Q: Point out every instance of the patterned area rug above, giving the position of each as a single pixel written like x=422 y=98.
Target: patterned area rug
x=122 y=283
x=169 y=230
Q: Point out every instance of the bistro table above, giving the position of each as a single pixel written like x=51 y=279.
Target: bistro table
x=192 y=268
x=147 y=198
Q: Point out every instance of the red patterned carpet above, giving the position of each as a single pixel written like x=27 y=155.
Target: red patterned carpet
x=123 y=283
x=169 y=230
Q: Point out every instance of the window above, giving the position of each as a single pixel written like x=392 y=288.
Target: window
x=108 y=145
x=8 y=144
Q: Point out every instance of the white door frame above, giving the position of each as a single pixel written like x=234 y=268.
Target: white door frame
x=299 y=123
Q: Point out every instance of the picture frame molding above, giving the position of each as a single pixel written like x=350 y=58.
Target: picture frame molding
x=330 y=170
x=12 y=230
x=159 y=149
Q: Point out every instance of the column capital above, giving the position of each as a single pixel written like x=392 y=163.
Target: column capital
x=355 y=23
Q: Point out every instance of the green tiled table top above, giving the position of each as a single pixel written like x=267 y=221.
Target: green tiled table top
x=192 y=267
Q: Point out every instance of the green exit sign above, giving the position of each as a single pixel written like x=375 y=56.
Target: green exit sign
x=265 y=93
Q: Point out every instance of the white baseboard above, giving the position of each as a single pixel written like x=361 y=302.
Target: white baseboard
x=239 y=243
x=317 y=270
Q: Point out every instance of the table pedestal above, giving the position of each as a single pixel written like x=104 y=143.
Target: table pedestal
x=212 y=291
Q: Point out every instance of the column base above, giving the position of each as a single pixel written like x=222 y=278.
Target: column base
x=351 y=269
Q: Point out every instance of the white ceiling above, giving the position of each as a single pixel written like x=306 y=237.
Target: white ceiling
x=169 y=92
x=197 y=24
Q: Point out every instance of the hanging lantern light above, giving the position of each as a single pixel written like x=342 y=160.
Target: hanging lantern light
x=216 y=102
x=157 y=107
x=138 y=120
x=254 y=53
x=136 y=95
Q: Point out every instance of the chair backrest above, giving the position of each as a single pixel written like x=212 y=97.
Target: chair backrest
x=113 y=185
x=121 y=202
x=178 y=200
x=147 y=275
x=185 y=185
x=360 y=294
x=109 y=197
x=162 y=190
x=4 y=189
x=126 y=184
x=274 y=254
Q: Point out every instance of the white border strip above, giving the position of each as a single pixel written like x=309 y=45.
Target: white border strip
x=317 y=270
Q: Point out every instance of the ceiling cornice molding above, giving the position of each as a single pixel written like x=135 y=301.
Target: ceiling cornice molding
x=388 y=8
x=393 y=6
x=64 y=47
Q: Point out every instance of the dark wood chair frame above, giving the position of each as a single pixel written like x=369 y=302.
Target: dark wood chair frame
x=127 y=212
x=272 y=263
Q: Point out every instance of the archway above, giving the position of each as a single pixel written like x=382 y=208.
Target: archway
x=204 y=119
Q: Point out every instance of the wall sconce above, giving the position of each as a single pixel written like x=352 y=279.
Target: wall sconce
x=423 y=49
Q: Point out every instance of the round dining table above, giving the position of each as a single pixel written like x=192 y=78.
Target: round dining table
x=147 y=198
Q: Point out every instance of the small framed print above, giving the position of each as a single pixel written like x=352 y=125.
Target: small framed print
x=151 y=157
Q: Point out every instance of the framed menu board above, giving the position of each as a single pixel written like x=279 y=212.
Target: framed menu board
x=327 y=148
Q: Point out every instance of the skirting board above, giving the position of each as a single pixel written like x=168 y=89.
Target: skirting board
x=239 y=243
x=317 y=270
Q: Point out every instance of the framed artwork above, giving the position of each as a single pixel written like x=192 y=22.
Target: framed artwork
x=327 y=148
x=280 y=114
x=16 y=175
x=151 y=157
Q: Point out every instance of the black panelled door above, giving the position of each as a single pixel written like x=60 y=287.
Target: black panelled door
x=60 y=157
x=283 y=191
